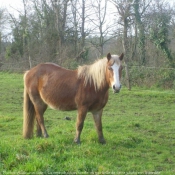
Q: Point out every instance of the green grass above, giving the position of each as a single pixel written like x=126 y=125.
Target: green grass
x=139 y=127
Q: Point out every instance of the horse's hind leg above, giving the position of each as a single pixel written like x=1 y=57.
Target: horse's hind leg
x=40 y=108
x=40 y=121
x=80 y=122
x=98 y=124
x=38 y=129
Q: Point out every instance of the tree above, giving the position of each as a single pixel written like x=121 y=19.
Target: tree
x=78 y=32
x=21 y=41
x=140 y=7
x=159 y=25
x=124 y=9
x=100 y=27
x=83 y=33
x=3 y=22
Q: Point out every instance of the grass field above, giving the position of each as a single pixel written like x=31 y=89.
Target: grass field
x=139 y=127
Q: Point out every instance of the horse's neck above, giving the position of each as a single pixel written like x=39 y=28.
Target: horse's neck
x=106 y=86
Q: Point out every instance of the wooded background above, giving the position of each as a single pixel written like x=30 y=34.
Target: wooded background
x=74 y=32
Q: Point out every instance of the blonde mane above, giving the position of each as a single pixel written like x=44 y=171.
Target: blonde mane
x=94 y=73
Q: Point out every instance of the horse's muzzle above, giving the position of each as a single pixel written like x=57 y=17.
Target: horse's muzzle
x=116 y=90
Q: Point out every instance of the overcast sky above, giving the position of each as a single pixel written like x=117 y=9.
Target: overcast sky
x=15 y=6
x=11 y=5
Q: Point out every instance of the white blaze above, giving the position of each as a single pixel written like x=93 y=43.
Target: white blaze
x=116 y=82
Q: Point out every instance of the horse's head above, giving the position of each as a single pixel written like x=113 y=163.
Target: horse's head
x=114 y=71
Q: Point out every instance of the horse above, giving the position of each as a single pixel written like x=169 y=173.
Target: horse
x=84 y=89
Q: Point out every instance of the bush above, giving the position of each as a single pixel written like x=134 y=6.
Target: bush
x=152 y=77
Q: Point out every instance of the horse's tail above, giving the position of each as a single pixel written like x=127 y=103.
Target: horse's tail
x=28 y=115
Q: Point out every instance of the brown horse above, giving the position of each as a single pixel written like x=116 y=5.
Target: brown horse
x=84 y=89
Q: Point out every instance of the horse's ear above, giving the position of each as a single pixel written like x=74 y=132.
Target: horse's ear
x=121 y=56
x=108 y=56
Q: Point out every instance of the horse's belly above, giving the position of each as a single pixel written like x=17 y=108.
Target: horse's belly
x=59 y=97
x=63 y=107
x=59 y=102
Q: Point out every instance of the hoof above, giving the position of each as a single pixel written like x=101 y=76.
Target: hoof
x=46 y=135
x=38 y=134
x=77 y=141
x=102 y=141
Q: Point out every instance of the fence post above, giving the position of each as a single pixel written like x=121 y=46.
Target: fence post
x=30 y=63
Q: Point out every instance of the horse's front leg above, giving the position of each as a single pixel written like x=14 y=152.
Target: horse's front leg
x=80 y=123
x=98 y=123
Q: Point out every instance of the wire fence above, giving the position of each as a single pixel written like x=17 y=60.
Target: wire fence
x=147 y=76
x=17 y=66
x=25 y=65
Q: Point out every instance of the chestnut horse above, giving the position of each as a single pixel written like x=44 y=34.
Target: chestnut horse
x=84 y=89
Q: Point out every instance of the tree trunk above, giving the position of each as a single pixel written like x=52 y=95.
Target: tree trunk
x=141 y=28
x=83 y=24
x=123 y=8
x=126 y=51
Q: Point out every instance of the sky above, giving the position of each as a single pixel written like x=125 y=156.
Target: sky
x=18 y=3
x=16 y=6
x=11 y=5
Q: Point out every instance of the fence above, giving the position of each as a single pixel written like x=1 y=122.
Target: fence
x=139 y=75
x=16 y=66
